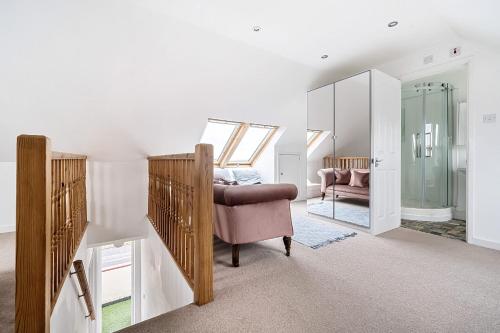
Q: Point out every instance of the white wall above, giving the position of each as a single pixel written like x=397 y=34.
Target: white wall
x=484 y=149
x=117 y=200
x=70 y=310
x=484 y=154
x=163 y=286
x=118 y=81
x=266 y=163
x=7 y=196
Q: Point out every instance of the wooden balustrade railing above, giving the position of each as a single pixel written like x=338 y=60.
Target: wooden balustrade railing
x=84 y=287
x=180 y=204
x=345 y=162
x=51 y=219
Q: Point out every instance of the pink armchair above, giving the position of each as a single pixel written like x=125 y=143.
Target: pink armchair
x=251 y=213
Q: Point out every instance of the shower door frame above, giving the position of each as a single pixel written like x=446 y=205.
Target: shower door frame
x=420 y=151
x=423 y=73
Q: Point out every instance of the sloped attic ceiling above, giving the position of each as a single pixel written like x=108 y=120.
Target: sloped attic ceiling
x=346 y=30
x=119 y=82
x=121 y=79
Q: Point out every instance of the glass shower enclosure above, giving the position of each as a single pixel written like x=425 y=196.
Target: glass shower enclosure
x=426 y=134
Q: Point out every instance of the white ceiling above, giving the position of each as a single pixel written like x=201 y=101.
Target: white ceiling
x=348 y=31
x=118 y=82
x=120 y=79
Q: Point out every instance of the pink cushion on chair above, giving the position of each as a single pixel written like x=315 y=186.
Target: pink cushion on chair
x=360 y=178
x=342 y=177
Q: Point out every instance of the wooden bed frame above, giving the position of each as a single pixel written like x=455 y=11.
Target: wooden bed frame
x=346 y=162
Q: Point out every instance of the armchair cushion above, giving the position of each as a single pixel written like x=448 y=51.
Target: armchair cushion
x=251 y=194
x=342 y=176
x=360 y=178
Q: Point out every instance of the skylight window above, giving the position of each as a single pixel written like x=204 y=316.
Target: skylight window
x=254 y=137
x=236 y=143
x=219 y=133
x=312 y=135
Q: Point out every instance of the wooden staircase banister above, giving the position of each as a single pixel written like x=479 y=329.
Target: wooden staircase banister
x=84 y=287
x=51 y=220
x=180 y=205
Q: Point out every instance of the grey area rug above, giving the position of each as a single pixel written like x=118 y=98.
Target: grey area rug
x=315 y=234
x=359 y=215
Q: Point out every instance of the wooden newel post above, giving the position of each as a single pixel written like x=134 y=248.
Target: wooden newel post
x=203 y=224
x=33 y=234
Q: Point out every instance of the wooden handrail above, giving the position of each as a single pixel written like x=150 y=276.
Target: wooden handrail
x=56 y=155
x=51 y=219
x=180 y=204
x=84 y=287
x=188 y=156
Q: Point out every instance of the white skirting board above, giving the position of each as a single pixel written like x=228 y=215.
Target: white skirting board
x=7 y=228
x=484 y=243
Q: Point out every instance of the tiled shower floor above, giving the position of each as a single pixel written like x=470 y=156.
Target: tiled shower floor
x=452 y=229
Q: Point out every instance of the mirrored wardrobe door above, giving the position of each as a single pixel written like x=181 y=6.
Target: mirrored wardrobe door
x=319 y=151
x=352 y=150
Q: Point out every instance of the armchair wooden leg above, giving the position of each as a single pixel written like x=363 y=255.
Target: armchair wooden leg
x=288 y=242
x=236 y=255
x=323 y=195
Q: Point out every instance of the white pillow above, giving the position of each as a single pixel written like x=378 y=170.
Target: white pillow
x=247 y=176
x=225 y=174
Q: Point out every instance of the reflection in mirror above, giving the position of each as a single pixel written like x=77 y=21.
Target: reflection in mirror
x=351 y=161
x=319 y=144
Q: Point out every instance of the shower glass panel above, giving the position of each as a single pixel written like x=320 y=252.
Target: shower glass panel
x=426 y=151
x=411 y=161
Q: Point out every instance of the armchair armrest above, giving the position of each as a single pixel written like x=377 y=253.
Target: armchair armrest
x=327 y=177
x=250 y=194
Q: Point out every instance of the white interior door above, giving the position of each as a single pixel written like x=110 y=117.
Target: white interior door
x=386 y=153
x=289 y=169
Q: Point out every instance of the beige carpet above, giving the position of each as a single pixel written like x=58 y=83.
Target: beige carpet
x=7 y=281
x=403 y=281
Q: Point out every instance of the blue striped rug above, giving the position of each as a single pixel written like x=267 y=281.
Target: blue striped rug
x=346 y=212
x=315 y=234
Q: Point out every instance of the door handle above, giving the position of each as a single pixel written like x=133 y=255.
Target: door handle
x=419 y=146
x=378 y=161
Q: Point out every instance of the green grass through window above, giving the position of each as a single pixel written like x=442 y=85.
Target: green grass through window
x=116 y=316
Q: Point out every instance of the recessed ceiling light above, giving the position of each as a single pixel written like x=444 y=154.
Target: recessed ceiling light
x=257 y=28
x=324 y=56
x=392 y=24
